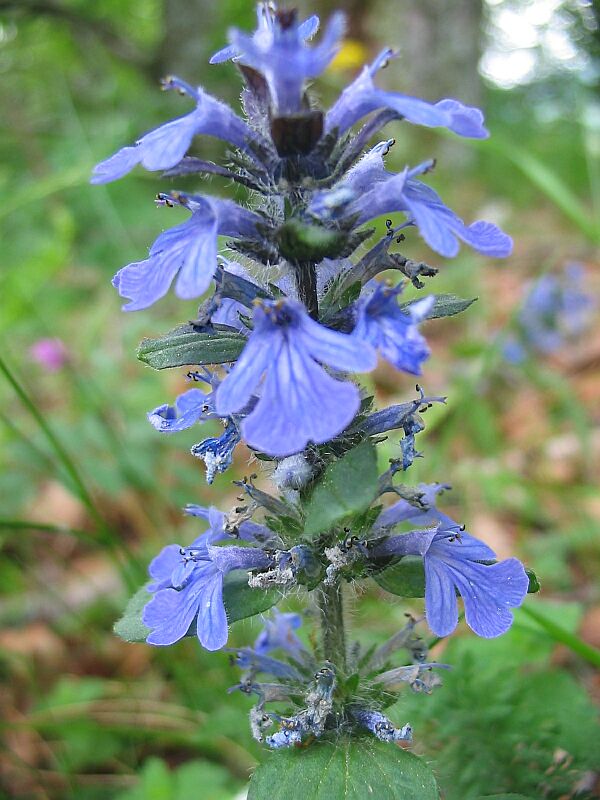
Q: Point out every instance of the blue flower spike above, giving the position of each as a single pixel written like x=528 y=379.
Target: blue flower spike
x=288 y=303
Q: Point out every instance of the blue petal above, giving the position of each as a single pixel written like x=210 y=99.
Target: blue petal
x=250 y=531
x=192 y=248
x=165 y=146
x=279 y=633
x=306 y=30
x=299 y=403
x=216 y=520
x=182 y=573
x=403 y=511
x=452 y=544
x=440 y=226
x=414 y=543
x=489 y=592
x=387 y=196
x=487 y=238
x=370 y=169
x=333 y=348
x=441 y=607
x=144 y=282
x=224 y=54
x=392 y=330
x=119 y=164
x=247 y=658
x=162 y=566
x=212 y=626
x=228 y=313
x=194 y=510
x=466 y=120
x=238 y=386
x=434 y=222
x=309 y=27
x=170 y=614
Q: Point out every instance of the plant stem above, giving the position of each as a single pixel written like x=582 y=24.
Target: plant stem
x=306 y=283
x=332 y=625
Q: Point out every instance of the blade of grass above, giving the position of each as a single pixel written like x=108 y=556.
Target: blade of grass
x=131 y=570
x=560 y=634
x=32 y=525
x=549 y=183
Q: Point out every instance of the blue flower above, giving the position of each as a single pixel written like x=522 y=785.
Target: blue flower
x=439 y=226
x=291 y=733
x=391 y=330
x=299 y=401
x=165 y=146
x=265 y=23
x=247 y=658
x=401 y=416
x=190 y=407
x=195 y=406
x=189 y=251
x=228 y=310
x=217 y=452
x=246 y=529
x=381 y=727
x=555 y=310
x=403 y=511
x=188 y=586
x=452 y=559
x=278 y=51
x=278 y=633
x=362 y=97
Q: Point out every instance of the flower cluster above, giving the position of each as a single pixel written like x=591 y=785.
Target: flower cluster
x=557 y=309
x=274 y=353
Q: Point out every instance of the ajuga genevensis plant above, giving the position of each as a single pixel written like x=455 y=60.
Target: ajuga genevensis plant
x=295 y=311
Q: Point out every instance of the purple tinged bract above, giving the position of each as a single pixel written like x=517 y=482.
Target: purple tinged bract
x=299 y=402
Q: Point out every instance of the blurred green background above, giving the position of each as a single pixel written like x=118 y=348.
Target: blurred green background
x=90 y=492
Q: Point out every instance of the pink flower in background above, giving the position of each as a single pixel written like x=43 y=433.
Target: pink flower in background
x=49 y=353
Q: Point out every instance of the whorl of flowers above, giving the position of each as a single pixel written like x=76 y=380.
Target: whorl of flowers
x=274 y=352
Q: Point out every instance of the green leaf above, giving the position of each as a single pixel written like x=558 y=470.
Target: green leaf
x=130 y=627
x=534 y=584
x=239 y=599
x=347 y=770
x=186 y=346
x=339 y=296
x=348 y=486
x=405 y=578
x=445 y=305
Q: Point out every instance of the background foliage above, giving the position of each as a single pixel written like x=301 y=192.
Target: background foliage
x=90 y=491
